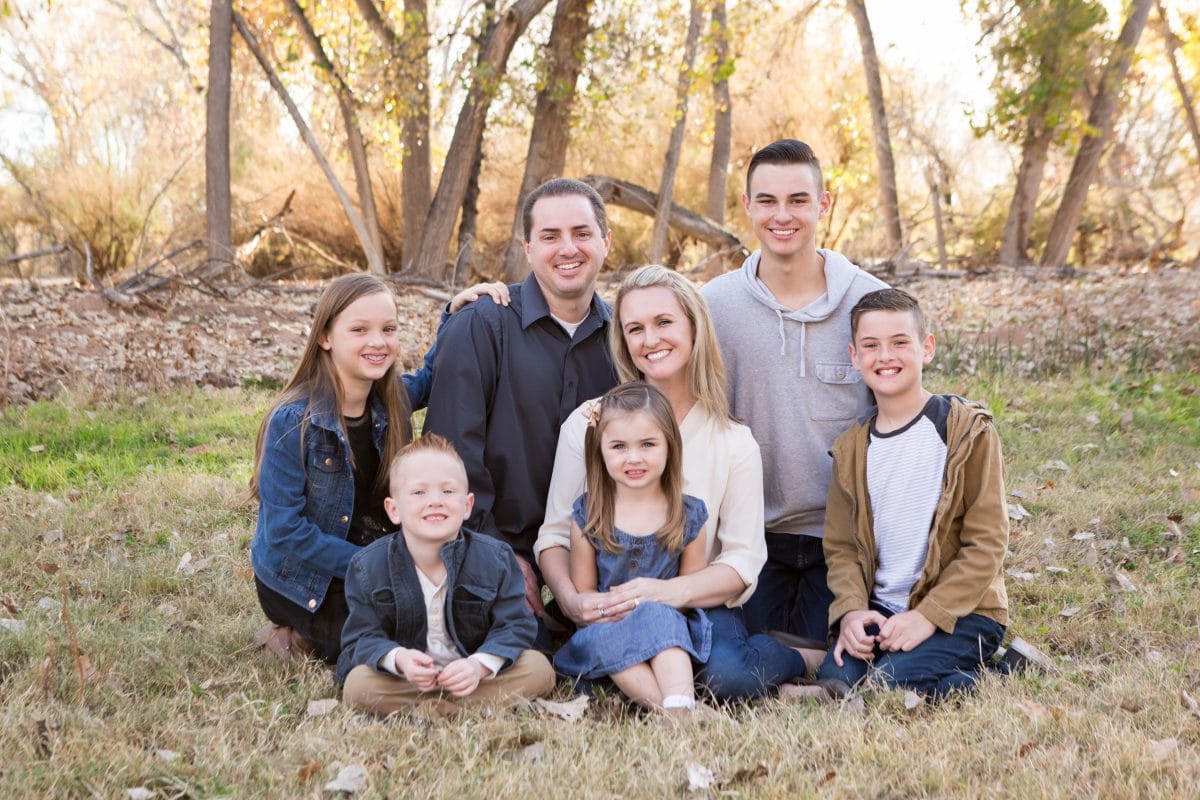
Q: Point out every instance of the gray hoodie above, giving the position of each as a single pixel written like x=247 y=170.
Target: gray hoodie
x=791 y=380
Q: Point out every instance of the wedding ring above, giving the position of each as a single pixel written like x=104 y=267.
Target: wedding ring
x=636 y=600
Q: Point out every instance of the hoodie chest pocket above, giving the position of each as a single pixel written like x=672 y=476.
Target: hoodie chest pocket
x=839 y=391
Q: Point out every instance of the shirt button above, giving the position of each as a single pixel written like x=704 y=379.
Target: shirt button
x=345 y=518
x=329 y=462
x=312 y=603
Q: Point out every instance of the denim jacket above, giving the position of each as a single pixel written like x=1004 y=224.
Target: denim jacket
x=306 y=497
x=485 y=601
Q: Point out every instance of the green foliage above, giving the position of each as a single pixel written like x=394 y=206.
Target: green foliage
x=59 y=445
x=1044 y=51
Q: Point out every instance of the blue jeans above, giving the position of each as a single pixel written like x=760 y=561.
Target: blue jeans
x=741 y=666
x=792 y=593
x=943 y=663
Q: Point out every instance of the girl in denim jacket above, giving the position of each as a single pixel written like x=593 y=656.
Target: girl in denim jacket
x=320 y=471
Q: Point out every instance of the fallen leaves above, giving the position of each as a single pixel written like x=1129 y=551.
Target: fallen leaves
x=1017 y=512
x=571 y=711
x=1119 y=580
x=319 y=708
x=1163 y=749
x=699 y=777
x=1188 y=702
x=350 y=780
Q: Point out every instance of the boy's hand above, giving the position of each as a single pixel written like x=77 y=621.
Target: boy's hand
x=903 y=632
x=853 y=638
x=497 y=291
x=533 y=592
x=418 y=668
x=460 y=677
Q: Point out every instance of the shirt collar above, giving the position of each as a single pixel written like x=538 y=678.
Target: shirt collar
x=534 y=307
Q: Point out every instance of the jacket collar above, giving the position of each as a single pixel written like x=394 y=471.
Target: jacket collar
x=324 y=413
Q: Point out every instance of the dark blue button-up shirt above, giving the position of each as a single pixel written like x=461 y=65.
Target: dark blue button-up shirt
x=504 y=380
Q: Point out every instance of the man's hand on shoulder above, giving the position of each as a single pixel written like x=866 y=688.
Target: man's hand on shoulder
x=497 y=291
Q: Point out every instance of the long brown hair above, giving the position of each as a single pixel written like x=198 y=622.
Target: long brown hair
x=705 y=369
x=630 y=398
x=316 y=379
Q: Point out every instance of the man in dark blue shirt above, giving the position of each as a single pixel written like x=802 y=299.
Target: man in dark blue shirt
x=506 y=377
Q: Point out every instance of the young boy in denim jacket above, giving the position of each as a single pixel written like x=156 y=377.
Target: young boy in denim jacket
x=916 y=526
x=437 y=612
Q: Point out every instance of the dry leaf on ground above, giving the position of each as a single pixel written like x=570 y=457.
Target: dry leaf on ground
x=571 y=711
x=1189 y=703
x=699 y=777
x=531 y=752
x=1018 y=512
x=319 y=708
x=349 y=780
x=1162 y=749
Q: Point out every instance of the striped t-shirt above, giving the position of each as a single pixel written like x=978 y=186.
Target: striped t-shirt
x=904 y=480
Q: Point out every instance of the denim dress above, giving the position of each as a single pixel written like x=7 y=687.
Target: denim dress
x=609 y=647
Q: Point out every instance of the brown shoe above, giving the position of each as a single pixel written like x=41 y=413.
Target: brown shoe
x=282 y=642
x=823 y=691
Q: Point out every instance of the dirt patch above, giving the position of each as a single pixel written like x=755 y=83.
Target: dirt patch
x=59 y=336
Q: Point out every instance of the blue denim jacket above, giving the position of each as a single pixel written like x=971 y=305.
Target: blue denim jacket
x=485 y=601
x=306 y=497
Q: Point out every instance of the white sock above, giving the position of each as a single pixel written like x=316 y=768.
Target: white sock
x=678 y=701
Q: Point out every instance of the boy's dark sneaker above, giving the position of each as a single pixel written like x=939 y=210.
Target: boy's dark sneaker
x=1020 y=656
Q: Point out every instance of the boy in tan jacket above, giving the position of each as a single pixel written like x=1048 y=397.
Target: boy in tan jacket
x=915 y=526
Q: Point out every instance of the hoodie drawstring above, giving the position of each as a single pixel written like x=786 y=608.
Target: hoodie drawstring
x=803 y=334
x=783 y=339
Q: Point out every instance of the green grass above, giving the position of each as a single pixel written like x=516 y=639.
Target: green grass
x=52 y=446
x=133 y=486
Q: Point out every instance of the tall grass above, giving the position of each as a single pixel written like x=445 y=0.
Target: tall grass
x=133 y=517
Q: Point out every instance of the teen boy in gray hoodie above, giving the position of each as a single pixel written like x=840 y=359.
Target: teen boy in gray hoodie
x=783 y=323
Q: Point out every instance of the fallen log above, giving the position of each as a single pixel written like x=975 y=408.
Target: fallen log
x=688 y=223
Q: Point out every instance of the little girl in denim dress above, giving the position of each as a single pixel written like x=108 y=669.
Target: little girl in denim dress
x=635 y=522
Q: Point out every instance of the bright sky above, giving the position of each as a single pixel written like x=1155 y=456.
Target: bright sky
x=933 y=36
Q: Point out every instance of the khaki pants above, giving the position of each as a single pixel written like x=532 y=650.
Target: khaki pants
x=382 y=693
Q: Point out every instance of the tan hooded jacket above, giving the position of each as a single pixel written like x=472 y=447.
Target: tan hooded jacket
x=963 y=572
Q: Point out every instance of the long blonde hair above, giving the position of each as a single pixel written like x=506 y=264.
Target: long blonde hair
x=316 y=379
x=625 y=399
x=705 y=369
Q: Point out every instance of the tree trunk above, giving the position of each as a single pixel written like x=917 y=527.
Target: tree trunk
x=889 y=201
x=935 y=196
x=1099 y=125
x=409 y=71
x=640 y=199
x=551 y=131
x=1014 y=245
x=354 y=138
x=360 y=230
x=430 y=260
x=1189 y=111
x=718 y=168
x=464 y=264
x=666 y=187
x=218 y=207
